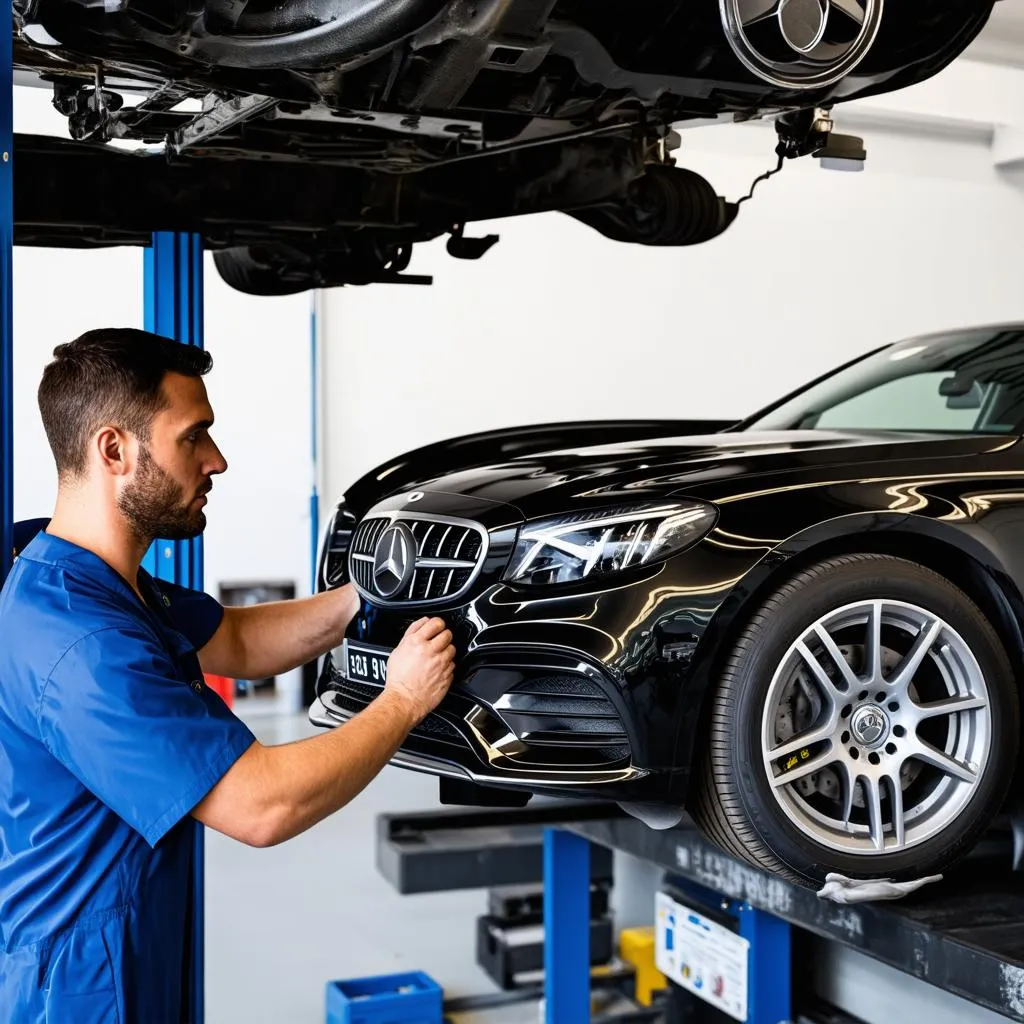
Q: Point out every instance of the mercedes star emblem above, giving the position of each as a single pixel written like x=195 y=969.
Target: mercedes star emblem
x=394 y=560
x=869 y=725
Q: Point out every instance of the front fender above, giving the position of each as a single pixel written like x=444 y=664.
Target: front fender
x=986 y=541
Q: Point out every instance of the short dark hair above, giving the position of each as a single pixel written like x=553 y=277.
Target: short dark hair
x=110 y=375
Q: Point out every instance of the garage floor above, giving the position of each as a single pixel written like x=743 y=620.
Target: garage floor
x=281 y=922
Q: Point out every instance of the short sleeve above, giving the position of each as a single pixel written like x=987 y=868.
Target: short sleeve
x=115 y=713
x=196 y=615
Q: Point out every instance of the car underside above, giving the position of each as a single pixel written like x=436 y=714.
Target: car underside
x=315 y=143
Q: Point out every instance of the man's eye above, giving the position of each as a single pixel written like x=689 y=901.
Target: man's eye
x=193 y=437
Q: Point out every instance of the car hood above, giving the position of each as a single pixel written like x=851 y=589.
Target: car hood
x=540 y=484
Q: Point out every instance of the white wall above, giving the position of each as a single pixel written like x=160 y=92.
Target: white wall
x=558 y=322
x=258 y=513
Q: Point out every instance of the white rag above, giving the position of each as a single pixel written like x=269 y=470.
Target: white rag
x=840 y=889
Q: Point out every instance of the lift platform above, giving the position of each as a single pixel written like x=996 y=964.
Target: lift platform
x=963 y=936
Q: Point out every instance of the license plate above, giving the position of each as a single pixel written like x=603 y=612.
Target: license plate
x=365 y=664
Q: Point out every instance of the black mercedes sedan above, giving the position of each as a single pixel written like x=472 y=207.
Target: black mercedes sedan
x=804 y=629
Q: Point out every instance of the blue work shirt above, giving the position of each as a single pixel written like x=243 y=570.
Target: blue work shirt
x=108 y=739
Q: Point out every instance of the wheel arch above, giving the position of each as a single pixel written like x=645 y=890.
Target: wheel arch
x=962 y=558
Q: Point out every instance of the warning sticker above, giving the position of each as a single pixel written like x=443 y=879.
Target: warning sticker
x=703 y=957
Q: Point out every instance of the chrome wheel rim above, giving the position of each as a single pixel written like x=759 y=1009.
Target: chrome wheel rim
x=877 y=728
x=801 y=44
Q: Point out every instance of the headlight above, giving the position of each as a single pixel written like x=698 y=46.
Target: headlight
x=575 y=547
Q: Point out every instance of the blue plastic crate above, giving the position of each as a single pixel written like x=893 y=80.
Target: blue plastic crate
x=413 y=998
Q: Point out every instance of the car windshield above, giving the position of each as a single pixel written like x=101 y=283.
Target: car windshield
x=967 y=382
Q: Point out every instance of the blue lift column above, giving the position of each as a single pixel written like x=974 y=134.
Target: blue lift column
x=6 y=302
x=567 y=931
x=174 y=308
x=566 y=928
x=173 y=299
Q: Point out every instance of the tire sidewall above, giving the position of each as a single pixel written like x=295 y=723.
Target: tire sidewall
x=771 y=637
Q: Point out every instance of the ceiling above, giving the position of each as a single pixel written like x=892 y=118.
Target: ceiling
x=1002 y=40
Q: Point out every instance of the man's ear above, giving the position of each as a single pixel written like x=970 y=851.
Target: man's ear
x=115 y=450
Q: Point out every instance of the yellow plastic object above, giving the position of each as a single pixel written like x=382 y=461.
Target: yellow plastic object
x=636 y=947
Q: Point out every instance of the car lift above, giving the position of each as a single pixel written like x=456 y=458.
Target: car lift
x=173 y=301
x=963 y=935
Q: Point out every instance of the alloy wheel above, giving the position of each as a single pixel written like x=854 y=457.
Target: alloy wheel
x=877 y=728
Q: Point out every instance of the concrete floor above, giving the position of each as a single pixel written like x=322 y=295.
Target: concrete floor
x=282 y=922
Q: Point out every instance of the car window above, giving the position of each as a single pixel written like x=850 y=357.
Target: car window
x=907 y=403
x=966 y=381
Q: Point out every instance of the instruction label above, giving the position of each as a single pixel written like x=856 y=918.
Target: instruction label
x=703 y=957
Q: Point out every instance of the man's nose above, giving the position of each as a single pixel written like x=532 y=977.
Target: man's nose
x=218 y=464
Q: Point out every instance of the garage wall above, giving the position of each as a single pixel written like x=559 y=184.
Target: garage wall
x=259 y=511
x=558 y=323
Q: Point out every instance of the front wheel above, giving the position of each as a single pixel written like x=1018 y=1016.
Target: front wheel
x=866 y=723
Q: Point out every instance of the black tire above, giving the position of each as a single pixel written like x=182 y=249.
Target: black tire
x=240 y=269
x=733 y=803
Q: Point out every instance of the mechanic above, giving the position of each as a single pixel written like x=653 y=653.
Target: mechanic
x=111 y=746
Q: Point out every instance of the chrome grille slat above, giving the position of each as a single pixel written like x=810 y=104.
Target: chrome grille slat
x=422 y=549
x=444 y=563
x=449 y=555
x=440 y=543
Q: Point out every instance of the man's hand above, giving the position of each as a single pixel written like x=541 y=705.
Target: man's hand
x=273 y=793
x=421 y=668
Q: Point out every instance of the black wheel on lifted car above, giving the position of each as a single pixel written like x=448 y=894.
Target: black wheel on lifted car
x=866 y=723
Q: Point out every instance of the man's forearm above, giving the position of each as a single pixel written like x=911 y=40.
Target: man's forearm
x=268 y=639
x=273 y=793
x=322 y=774
x=294 y=786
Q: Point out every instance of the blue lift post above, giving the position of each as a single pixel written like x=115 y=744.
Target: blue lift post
x=314 y=428
x=566 y=928
x=567 y=932
x=6 y=301
x=173 y=301
x=173 y=290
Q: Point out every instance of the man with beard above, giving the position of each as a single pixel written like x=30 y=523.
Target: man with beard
x=111 y=747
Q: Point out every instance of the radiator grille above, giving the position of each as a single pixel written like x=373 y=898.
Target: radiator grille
x=447 y=556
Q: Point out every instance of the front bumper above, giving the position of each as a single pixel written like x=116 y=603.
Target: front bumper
x=593 y=687
x=513 y=721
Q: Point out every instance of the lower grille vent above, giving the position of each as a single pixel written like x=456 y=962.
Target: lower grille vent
x=354 y=697
x=564 y=720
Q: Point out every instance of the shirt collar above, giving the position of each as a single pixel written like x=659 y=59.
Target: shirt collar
x=57 y=551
